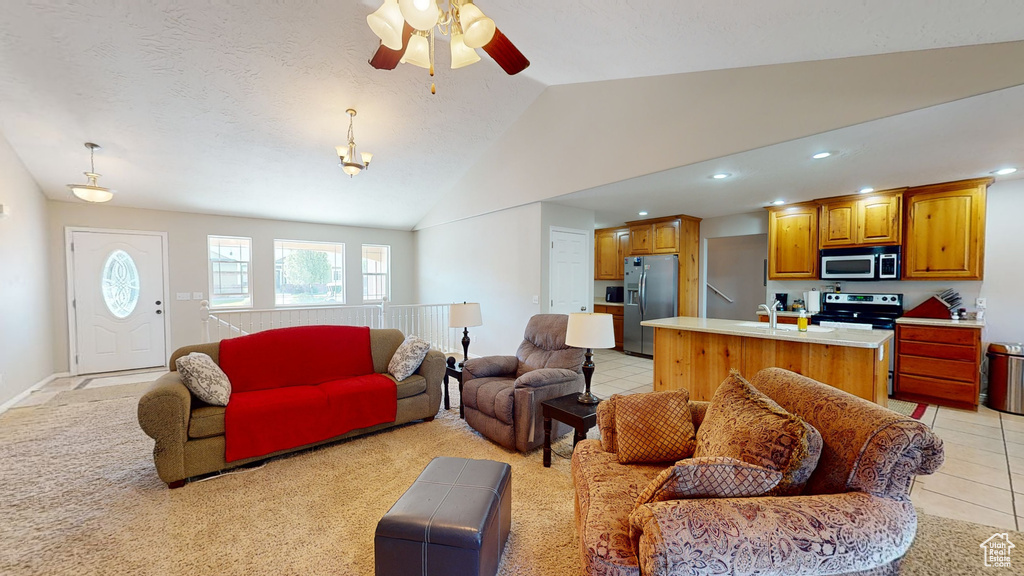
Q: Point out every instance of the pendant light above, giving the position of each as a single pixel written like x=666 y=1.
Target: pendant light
x=349 y=160
x=91 y=192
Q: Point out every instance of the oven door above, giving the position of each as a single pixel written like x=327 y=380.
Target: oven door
x=849 y=267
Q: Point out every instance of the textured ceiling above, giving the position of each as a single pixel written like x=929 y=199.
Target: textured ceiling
x=235 y=107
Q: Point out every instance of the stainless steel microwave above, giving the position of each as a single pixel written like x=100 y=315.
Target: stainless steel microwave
x=867 y=263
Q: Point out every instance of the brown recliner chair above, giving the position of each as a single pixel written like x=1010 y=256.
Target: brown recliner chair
x=502 y=394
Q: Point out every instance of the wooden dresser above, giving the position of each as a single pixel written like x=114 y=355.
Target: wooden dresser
x=938 y=362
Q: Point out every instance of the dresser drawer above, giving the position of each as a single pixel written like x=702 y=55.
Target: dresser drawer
x=944 y=389
x=938 y=368
x=940 y=335
x=933 y=350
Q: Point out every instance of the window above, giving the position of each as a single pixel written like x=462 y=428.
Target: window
x=308 y=273
x=230 y=259
x=376 y=273
x=120 y=284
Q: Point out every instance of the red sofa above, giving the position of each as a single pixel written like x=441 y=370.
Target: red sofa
x=291 y=388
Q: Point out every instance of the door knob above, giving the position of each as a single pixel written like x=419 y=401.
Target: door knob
x=159 y=311
x=158 y=302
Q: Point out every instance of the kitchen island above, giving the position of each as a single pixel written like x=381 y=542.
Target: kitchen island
x=696 y=354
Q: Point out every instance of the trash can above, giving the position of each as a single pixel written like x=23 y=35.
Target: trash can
x=1006 y=377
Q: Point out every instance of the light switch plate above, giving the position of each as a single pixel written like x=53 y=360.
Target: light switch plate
x=182 y=296
x=197 y=295
x=980 y=302
x=536 y=299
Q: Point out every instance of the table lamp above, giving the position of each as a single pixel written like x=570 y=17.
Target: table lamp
x=589 y=331
x=464 y=315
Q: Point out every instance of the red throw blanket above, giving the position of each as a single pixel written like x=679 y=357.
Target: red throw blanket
x=264 y=421
x=297 y=386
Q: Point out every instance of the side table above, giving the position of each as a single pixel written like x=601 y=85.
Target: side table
x=566 y=409
x=453 y=371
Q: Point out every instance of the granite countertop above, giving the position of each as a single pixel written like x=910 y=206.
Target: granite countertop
x=815 y=335
x=603 y=303
x=941 y=322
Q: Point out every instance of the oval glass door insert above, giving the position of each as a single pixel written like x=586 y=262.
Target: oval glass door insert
x=120 y=284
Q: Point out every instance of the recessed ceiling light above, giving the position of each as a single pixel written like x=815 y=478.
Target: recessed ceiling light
x=721 y=175
x=821 y=155
x=1005 y=171
x=865 y=190
x=642 y=213
x=779 y=202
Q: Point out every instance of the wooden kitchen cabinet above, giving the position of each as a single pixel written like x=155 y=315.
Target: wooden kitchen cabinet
x=793 y=241
x=938 y=365
x=610 y=247
x=640 y=239
x=617 y=316
x=871 y=220
x=659 y=236
x=944 y=235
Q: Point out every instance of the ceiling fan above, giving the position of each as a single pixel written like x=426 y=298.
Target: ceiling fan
x=406 y=30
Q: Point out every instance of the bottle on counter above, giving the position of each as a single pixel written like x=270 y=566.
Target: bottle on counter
x=801 y=321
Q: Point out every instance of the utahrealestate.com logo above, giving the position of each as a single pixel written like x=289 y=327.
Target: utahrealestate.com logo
x=997 y=550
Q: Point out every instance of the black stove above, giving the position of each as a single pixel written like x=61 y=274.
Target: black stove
x=866 y=311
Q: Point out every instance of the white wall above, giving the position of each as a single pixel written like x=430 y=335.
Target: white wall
x=493 y=259
x=563 y=217
x=25 y=313
x=187 y=251
x=1004 y=263
x=746 y=224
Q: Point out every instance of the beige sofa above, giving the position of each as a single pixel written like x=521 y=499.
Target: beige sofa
x=854 y=516
x=189 y=434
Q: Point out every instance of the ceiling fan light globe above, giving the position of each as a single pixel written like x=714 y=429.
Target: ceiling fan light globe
x=462 y=55
x=419 y=18
x=417 y=52
x=387 y=24
x=95 y=194
x=477 y=28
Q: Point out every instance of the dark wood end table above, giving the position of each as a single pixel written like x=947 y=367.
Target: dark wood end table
x=454 y=372
x=566 y=409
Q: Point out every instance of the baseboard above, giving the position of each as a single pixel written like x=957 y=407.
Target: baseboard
x=24 y=394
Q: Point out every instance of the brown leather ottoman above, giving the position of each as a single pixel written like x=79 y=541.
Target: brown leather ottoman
x=453 y=520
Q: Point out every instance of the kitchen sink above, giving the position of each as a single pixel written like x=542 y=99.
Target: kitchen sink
x=787 y=327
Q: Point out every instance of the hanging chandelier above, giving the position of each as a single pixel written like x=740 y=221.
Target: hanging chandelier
x=349 y=160
x=91 y=192
x=406 y=29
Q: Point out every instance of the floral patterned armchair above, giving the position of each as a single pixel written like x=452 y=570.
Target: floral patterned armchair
x=853 y=517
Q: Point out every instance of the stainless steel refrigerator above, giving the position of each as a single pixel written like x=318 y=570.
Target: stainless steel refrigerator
x=651 y=291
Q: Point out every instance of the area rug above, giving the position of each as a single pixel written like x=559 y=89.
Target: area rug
x=80 y=496
x=913 y=409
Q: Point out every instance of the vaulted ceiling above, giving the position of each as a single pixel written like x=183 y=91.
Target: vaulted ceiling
x=235 y=108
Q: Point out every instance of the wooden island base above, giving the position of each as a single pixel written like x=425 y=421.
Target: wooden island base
x=699 y=361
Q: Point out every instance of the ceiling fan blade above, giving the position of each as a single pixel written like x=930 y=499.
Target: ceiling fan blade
x=506 y=54
x=387 y=59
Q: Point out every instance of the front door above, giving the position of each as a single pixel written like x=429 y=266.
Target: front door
x=569 y=277
x=118 y=300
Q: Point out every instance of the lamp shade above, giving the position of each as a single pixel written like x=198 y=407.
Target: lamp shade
x=387 y=24
x=417 y=52
x=462 y=55
x=465 y=315
x=478 y=29
x=91 y=193
x=420 y=14
x=590 y=331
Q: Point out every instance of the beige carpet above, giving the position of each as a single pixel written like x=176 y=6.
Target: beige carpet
x=79 y=496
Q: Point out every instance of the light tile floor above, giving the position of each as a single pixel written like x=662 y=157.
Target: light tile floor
x=981 y=481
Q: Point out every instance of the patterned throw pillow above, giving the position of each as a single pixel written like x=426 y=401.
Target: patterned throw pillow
x=654 y=427
x=715 y=477
x=744 y=424
x=204 y=378
x=408 y=357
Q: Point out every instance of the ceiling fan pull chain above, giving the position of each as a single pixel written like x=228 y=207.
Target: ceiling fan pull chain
x=433 y=89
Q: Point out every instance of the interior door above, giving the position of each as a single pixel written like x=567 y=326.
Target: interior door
x=118 y=301
x=569 y=280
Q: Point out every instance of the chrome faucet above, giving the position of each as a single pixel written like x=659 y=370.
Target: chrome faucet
x=772 y=310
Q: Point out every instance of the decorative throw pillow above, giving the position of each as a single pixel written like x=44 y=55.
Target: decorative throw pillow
x=744 y=424
x=714 y=477
x=606 y=423
x=408 y=357
x=654 y=427
x=204 y=378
